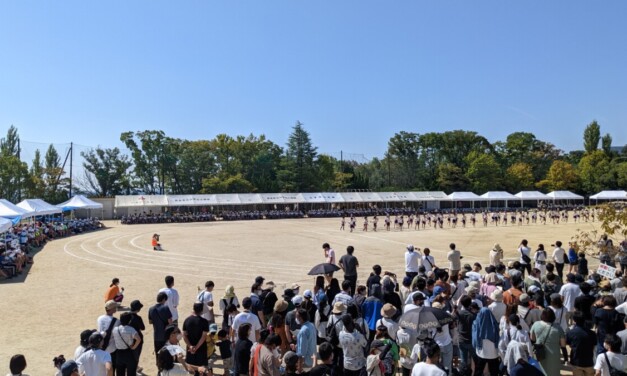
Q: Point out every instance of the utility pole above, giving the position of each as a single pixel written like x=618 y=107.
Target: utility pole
x=19 y=178
x=71 y=158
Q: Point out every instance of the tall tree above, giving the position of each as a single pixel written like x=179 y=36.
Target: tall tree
x=36 y=185
x=595 y=172
x=606 y=144
x=561 y=176
x=299 y=171
x=483 y=172
x=12 y=170
x=519 y=176
x=106 y=171
x=451 y=178
x=403 y=151
x=591 y=137
x=56 y=184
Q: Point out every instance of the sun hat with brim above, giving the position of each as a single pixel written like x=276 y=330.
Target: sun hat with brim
x=280 y=306
x=471 y=289
x=524 y=298
x=388 y=310
x=290 y=359
x=339 y=307
x=497 y=247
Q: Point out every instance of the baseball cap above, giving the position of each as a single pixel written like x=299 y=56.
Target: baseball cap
x=297 y=300
x=213 y=328
x=109 y=305
x=136 y=305
x=68 y=367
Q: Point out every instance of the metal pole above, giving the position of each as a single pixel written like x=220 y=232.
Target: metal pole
x=71 y=157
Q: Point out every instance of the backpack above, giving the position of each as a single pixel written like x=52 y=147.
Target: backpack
x=333 y=336
x=613 y=371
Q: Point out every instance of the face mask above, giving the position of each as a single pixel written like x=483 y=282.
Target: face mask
x=258 y=292
x=179 y=337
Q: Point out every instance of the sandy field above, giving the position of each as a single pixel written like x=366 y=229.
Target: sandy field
x=44 y=312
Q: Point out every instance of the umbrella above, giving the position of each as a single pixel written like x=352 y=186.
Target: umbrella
x=324 y=268
x=425 y=318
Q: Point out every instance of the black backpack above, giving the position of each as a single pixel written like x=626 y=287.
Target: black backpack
x=268 y=300
x=333 y=335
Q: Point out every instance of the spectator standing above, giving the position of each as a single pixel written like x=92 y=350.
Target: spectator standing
x=349 y=265
x=173 y=298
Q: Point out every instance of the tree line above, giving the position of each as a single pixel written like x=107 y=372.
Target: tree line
x=449 y=161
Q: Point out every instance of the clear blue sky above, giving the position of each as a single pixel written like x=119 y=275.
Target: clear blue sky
x=354 y=72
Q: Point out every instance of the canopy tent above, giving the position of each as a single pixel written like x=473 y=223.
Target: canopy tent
x=271 y=198
x=610 y=195
x=465 y=196
x=228 y=199
x=389 y=197
x=370 y=197
x=429 y=196
x=141 y=201
x=499 y=196
x=292 y=198
x=38 y=207
x=13 y=212
x=313 y=198
x=405 y=196
x=332 y=197
x=531 y=195
x=351 y=197
x=250 y=198
x=79 y=202
x=5 y=225
x=564 y=195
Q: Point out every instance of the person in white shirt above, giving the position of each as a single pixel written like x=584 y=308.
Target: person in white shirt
x=173 y=298
x=329 y=257
x=84 y=345
x=569 y=292
x=558 y=257
x=428 y=261
x=412 y=261
x=94 y=361
x=497 y=307
x=525 y=257
x=206 y=298
x=247 y=317
x=429 y=366
x=107 y=321
x=616 y=360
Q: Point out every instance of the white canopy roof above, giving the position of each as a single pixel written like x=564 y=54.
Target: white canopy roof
x=610 y=195
x=250 y=198
x=332 y=197
x=11 y=211
x=531 y=195
x=465 y=196
x=292 y=198
x=271 y=198
x=564 y=195
x=79 y=202
x=370 y=197
x=5 y=224
x=351 y=197
x=228 y=199
x=499 y=196
x=38 y=206
x=141 y=200
x=429 y=196
x=389 y=196
x=312 y=198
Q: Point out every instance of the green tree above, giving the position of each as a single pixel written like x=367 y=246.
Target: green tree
x=56 y=185
x=403 y=152
x=298 y=172
x=595 y=172
x=197 y=161
x=591 y=137
x=525 y=147
x=258 y=160
x=155 y=160
x=483 y=172
x=519 y=176
x=620 y=171
x=229 y=184
x=561 y=176
x=606 y=144
x=35 y=184
x=106 y=171
x=451 y=178
x=13 y=171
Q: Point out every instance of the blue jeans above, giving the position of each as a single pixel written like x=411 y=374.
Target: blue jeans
x=466 y=353
x=446 y=354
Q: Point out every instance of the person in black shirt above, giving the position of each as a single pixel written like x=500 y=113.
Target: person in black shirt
x=466 y=317
x=349 y=265
x=225 y=351
x=137 y=323
x=584 y=302
x=375 y=277
x=160 y=316
x=581 y=341
x=195 y=330
x=325 y=352
x=241 y=352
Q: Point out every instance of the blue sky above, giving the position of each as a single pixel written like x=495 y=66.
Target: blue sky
x=354 y=72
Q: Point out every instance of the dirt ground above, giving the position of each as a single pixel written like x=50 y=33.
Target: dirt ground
x=44 y=312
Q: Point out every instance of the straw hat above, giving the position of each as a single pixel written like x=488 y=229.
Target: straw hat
x=388 y=311
x=339 y=307
x=280 y=306
x=497 y=247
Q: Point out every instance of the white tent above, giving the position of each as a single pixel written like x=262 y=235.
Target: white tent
x=292 y=198
x=228 y=199
x=10 y=211
x=389 y=197
x=332 y=197
x=499 y=196
x=370 y=197
x=313 y=198
x=610 y=195
x=564 y=195
x=351 y=197
x=5 y=225
x=465 y=196
x=250 y=198
x=79 y=202
x=531 y=195
x=429 y=196
x=140 y=201
x=39 y=207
